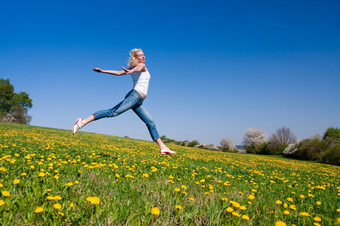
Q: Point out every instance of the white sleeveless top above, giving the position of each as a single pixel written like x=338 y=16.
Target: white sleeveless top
x=141 y=81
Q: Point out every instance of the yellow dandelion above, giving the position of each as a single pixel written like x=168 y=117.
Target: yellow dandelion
x=61 y=214
x=290 y=200
x=2 y=202
x=178 y=207
x=69 y=184
x=76 y=182
x=305 y=214
x=229 y=209
x=243 y=208
x=278 y=202
x=71 y=205
x=280 y=223
x=177 y=189
x=245 y=217
x=56 y=177
x=251 y=197
x=286 y=212
x=6 y=193
x=57 y=206
x=57 y=197
x=93 y=200
x=145 y=175
x=293 y=207
x=41 y=174
x=155 y=211
x=338 y=210
x=39 y=210
x=302 y=196
x=235 y=214
x=224 y=199
x=1 y=185
x=23 y=174
x=317 y=219
x=184 y=187
x=192 y=199
x=318 y=203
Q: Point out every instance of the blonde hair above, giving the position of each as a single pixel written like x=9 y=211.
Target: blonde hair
x=132 y=61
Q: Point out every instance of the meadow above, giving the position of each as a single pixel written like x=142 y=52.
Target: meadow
x=49 y=177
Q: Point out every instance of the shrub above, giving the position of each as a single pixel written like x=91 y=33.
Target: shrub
x=332 y=155
x=291 y=150
x=259 y=149
x=312 y=149
x=227 y=145
x=253 y=138
x=332 y=134
x=279 y=140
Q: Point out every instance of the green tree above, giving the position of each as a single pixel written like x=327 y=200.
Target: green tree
x=13 y=106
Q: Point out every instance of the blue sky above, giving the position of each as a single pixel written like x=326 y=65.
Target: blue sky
x=217 y=67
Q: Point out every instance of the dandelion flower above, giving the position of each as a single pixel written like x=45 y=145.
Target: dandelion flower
x=61 y=214
x=71 y=205
x=224 y=199
x=278 y=202
x=2 y=202
x=69 y=184
x=93 y=200
x=6 y=193
x=177 y=189
x=155 y=211
x=286 y=212
x=302 y=196
x=251 y=197
x=235 y=214
x=192 y=199
x=289 y=199
x=317 y=219
x=229 y=209
x=318 y=203
x=245 y=217
x=184 y=187
x=243 y=208
x=280 y=223
x=57 y=206
x=41 y=174
x=305 y=214
x=178 y=207
x=39 y=210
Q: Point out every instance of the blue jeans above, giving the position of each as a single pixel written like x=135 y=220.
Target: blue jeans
x=134 y=101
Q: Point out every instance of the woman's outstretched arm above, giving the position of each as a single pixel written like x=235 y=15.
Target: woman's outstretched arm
x=111 y=72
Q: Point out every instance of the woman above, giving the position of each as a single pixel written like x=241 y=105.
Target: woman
x=133 y=100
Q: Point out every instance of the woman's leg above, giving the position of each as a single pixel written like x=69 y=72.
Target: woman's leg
x=145 y=116
x=131 y=100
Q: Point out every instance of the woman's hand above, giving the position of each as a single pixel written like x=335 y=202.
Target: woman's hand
x=127 y=71
x=97 y=70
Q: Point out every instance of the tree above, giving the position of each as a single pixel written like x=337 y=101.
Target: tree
x=279 y=140
x=253 y=138
x=13 y=106
x=227 y=145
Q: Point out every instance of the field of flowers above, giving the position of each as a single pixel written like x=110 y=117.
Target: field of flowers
x=48 y=176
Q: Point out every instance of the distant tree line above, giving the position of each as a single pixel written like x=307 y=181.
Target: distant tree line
x=13 y=106
x=324 y=149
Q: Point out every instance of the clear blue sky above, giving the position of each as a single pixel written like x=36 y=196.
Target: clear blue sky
x=217 y=67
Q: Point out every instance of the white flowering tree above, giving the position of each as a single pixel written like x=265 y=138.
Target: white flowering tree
x=253 y=138
x=227 y=144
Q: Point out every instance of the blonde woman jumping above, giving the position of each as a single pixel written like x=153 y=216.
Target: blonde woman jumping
x=133 y=99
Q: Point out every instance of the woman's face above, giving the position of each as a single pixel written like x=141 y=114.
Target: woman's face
x=140 y=57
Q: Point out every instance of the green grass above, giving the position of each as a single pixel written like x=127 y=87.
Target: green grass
x=130 y=177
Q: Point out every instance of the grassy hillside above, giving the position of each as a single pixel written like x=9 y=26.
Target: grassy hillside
x=48 y=176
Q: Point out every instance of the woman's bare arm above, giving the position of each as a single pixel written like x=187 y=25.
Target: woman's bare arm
x=111 y=72
x=138 y=67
